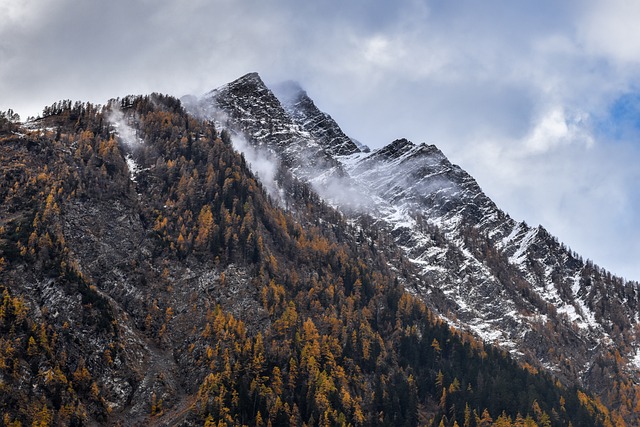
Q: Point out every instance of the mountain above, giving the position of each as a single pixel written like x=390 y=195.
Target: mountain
x=251 y=105
x=507 y=283
x=149 y=277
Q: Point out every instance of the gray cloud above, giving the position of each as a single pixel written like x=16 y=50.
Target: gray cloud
x=512 y=92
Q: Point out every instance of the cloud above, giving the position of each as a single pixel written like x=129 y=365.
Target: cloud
x=556 y=128
x=262 y=163
x=582 y=192
x=611 y=30
x=128 y=135
x=530 y=85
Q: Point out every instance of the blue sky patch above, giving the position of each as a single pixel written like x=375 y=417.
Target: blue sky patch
x=623 y=118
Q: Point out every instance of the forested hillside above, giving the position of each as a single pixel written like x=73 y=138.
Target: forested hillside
x=148 y=279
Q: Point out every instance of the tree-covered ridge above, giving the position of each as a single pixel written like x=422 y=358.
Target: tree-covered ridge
x=338 y=340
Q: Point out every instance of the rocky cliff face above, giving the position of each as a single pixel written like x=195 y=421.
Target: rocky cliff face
x=255 y=111
x=507 y=282
x=319 y=124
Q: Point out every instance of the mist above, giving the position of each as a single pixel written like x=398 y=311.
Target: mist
x=262 y=163
x=128 y=135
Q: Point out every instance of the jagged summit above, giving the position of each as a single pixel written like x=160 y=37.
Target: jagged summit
x=249 y=82
x=397 y=147
x=285 y=115
x=421 y=179
x=306 y=139
x=252 y=107
x=403 y=148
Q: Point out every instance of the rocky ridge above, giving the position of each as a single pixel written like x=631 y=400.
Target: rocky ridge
x=255 y=111
x=507 y=282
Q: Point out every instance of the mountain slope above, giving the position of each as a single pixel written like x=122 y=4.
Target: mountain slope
x=147 y=279
x=506 y=282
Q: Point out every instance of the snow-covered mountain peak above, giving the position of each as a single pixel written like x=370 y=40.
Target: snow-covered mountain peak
x=504 y=281
x=396 y=148
x=250 y=109
x=403 y=152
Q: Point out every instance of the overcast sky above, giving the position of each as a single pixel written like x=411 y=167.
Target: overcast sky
x=538 y=100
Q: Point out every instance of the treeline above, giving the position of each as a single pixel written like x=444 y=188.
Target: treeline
x=9 y=121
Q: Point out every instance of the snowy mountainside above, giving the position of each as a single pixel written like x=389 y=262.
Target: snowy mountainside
x=507 y=282
x=503 y=280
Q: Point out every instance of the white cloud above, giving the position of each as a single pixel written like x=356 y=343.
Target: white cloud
x=517 y=84
x=13 y=13
x=611 y=29
x=127 y=134
x=261 y=162
x=555 y=129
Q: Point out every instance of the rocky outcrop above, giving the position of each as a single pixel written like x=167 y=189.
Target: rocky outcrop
x=320 y=125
